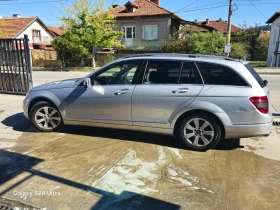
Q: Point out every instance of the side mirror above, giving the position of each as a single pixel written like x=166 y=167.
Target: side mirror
x=265 y=82
x=87 y=82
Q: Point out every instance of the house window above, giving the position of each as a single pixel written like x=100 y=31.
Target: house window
x=275 y=36
x=36 y=36
x=129 y=32
x=150 y=32
x=129 y=9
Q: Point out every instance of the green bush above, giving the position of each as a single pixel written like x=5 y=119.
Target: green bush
x=239 y=50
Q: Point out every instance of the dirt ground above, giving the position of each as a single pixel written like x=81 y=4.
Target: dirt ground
x=93 y=168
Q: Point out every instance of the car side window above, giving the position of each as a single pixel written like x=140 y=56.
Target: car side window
x=162 y=72
x=213 y=74
x=190 y=74
x=119 y=73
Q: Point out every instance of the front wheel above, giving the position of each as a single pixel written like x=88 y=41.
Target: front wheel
x=46 y=117
x=199 y=132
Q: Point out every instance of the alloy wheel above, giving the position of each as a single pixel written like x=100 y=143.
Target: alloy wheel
x=47 y=118
x=198 y=132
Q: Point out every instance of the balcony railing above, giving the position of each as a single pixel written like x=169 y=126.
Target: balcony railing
x=139 y=44
x=46 y=40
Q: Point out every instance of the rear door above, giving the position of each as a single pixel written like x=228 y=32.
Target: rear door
x=165 y=87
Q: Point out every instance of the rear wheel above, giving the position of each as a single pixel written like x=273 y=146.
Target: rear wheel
x=46 y=117
x=199 y=132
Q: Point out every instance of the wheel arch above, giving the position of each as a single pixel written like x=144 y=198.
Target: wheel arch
x=200 y=112
x=38 y=99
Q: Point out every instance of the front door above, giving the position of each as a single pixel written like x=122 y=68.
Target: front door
x=108 y=100
x=167 y=87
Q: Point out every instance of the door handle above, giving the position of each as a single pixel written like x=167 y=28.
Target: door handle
x=180 y=90
x=121 y=92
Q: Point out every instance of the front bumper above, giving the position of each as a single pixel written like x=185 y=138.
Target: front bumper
x=25 y=107
x=243 y=131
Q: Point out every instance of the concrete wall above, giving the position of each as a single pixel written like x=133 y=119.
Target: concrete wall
x=163 y=24
x=274 y=38
x=34 y=26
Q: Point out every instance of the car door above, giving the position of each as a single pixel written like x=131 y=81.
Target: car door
x=167 y=87
x=108 y=100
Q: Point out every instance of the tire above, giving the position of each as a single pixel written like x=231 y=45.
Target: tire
x=47 y=122
x=198 y=136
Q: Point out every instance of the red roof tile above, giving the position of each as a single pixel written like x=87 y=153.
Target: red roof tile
x=10 y=27
x=146 y=8
x=56 y=30
x=219 y=25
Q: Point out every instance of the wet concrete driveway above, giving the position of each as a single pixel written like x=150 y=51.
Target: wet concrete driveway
x=93 y=168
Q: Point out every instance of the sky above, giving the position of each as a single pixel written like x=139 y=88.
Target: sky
x=251 y=11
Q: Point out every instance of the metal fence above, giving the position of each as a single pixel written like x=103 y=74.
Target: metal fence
x=15 y=66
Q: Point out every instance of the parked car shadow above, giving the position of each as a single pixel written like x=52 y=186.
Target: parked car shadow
x=19 y=123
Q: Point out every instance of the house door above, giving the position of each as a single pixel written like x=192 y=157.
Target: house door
x=129 y=35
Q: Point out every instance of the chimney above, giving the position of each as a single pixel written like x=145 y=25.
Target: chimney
x=115 y=5
x=155 y=1
x=16 y=16
x=220 y=20
x=207 y=21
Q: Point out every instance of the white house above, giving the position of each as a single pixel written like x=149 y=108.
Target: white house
x=273 y=56
x=40 y=36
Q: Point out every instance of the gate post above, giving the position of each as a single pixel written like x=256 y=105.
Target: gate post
x=28 y=62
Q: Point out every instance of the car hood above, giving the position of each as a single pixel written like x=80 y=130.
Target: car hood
x=57 y=84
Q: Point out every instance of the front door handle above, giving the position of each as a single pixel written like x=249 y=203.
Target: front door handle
x=180 y=90
x=121 y=92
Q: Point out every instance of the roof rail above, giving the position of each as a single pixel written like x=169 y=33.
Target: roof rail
x=177 y=55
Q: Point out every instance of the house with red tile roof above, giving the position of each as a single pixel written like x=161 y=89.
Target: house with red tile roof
x=57 y=31
x=40 y=36
x=218 y=25
x=146 y=25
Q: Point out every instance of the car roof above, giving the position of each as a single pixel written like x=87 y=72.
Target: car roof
x=192 y=57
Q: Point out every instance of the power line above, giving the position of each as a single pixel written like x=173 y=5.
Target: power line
x=32 y=2
x=258 y=10
x=187 y=6
x=226 y=5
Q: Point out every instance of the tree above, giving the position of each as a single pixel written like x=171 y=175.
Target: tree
x=239 y=50
x=3 y=23
x=261 y=47
x=87 y=26
x=210 y=43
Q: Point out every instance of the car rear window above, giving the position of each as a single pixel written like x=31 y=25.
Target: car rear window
x=213 y=74
x=255 y=75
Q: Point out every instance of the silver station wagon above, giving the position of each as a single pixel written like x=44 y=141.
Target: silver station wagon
x=198 y=99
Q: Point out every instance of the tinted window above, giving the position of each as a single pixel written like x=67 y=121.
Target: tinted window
x=219 y=75
x=119 y=73
x=162 y=72
x=189 y=74
x=255 y=75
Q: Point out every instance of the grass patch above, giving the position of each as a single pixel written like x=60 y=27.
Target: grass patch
x=258 y=63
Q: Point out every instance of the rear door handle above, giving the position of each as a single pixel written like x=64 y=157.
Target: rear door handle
x=180 y=90
x=121 y=92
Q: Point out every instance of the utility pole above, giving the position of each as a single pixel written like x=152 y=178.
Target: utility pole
x=227 y=46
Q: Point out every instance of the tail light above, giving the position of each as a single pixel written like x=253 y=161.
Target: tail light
x=261 y=103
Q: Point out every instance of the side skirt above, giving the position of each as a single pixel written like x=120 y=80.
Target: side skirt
x=164 y=131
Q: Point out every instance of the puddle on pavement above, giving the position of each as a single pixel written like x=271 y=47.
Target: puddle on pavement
x=121 y=173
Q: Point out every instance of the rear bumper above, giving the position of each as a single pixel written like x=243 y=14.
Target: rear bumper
x=242 y=131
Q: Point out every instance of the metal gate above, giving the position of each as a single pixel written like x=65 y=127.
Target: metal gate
x=15 y=66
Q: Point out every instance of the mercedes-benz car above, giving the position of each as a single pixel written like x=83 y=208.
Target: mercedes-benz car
x=198 y=99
